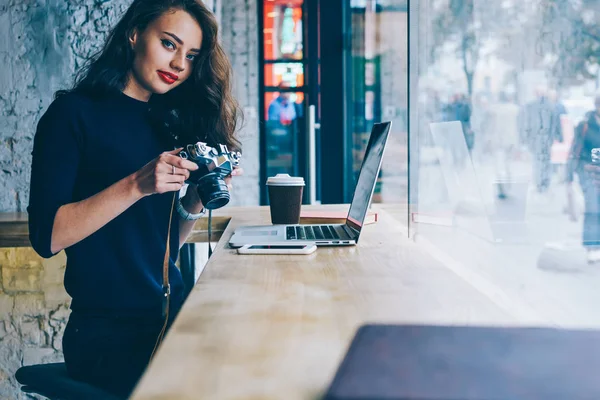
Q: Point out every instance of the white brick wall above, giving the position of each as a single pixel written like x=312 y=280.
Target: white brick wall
x=240 y=40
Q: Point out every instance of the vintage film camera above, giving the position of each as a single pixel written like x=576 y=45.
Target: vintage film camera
x=214 y=165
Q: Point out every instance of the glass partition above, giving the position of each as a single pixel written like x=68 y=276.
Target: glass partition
x=505 y=148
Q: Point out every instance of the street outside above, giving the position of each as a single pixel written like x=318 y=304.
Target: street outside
x=509 y=72
x=535 y=263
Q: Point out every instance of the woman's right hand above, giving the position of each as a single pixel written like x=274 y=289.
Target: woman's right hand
x=166 y=173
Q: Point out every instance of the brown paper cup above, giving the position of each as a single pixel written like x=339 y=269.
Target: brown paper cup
x=285 y=198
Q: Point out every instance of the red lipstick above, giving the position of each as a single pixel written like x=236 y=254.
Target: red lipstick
x=167 y=77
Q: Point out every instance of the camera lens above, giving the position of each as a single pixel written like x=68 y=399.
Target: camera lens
x=213 y=192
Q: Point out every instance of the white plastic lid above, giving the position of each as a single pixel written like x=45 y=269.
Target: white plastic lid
x=285 y=180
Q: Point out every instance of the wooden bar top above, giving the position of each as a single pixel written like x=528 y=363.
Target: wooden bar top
x=14 y=229
x=277 y=326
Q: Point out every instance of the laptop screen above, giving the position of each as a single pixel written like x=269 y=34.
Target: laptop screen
x=368 y=175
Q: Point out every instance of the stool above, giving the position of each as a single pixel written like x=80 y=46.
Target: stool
x=53 y=381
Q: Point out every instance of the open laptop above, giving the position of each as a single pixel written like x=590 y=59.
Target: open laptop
x=330 y=235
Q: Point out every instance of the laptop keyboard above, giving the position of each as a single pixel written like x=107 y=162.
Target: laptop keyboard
x=321 y=232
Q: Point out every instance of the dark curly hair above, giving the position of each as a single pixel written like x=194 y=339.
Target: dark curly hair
x=201 y=108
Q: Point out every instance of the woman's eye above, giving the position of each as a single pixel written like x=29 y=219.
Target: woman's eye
x=168 y=44
x=191 y=57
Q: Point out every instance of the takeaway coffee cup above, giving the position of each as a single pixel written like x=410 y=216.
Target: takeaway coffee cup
x=285 y=198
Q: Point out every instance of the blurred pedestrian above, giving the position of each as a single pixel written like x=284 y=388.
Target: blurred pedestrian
x=282 y=108
x=539 y=127
x=559 y=107
x=462 y=112
x=459 y=109
x=503 y=134
x=584 y=161
x=480 y=123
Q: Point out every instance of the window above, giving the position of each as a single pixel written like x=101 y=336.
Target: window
x=283 y=44
x=498 y=93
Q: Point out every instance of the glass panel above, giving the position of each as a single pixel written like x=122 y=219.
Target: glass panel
x=379 y=90
x=284 y=88
x=506 y=127
x=283 y=124
x=283 y=31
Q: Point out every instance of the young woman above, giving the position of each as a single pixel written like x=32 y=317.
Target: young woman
x=105 y=171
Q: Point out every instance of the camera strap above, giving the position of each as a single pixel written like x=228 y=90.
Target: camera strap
x=209 y=232
x=166 y=287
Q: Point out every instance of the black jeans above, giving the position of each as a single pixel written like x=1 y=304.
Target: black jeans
x=109 y=352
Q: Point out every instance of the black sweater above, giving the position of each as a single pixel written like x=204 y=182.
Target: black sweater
x=82 y=146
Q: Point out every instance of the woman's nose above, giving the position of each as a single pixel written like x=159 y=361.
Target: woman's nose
x=178 y=62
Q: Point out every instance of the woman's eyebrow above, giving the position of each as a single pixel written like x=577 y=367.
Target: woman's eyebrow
x=174 y=36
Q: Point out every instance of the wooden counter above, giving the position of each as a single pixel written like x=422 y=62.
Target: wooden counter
x=276 y=327
x=14 y=230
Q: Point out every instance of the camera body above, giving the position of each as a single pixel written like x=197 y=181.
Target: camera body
x=214 y=165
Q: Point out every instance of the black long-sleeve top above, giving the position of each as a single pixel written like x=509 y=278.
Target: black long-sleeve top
x=83 y=145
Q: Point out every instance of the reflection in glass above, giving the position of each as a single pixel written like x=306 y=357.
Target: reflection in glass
x=284 y=86
x=283 y=29
x=283 y=122
x=378 y=70
x=292 y=74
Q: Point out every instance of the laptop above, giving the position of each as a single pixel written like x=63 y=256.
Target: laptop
x=427 y=362
x=328 y=235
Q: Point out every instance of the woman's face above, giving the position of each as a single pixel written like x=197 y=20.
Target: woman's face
x=164 y=54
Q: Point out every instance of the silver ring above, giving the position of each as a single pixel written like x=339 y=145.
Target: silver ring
x=173 y=173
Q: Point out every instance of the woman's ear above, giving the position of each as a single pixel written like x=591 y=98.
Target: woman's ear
x=133 y=38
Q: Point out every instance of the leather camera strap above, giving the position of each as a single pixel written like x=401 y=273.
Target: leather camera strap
x=166 y=287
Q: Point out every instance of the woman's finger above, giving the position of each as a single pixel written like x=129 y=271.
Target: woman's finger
x=174 y=178
x=181 y=163
x=170 y=169
x=174 y=151
x=171 y=187
x=179 y=171
x=237 y=171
